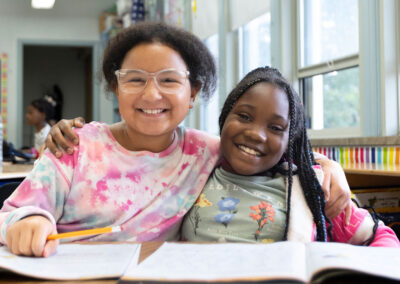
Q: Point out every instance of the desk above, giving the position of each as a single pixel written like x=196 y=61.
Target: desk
x=14 y=172
x=146 y=250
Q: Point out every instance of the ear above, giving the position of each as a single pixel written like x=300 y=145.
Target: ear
x=194 y=91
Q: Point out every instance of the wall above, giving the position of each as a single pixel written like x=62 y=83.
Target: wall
x=68 y=21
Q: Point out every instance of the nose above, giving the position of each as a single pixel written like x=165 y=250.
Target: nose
x=151 y=91
x=257 y=133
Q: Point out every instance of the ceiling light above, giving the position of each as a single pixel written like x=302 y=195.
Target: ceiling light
x=42 y=4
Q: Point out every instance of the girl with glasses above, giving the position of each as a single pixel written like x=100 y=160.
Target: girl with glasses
x=143 y=173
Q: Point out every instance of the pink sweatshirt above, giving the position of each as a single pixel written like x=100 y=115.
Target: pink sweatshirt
x=103 y=184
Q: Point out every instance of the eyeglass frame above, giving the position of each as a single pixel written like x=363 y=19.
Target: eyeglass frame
x=153 y=75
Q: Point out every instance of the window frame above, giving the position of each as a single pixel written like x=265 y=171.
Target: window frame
x=337 y=64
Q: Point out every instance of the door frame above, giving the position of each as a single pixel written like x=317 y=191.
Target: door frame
x=94 y=45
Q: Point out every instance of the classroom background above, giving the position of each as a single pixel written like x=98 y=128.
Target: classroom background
x=343 y=58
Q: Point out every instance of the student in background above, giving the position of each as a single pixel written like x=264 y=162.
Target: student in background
x=143 y=173
x=37 y=115
x=267 y=187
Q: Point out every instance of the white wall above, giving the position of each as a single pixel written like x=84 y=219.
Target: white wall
x=68 y=21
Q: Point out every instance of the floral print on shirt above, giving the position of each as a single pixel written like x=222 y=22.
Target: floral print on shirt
x=226 y=204
x=264 y=212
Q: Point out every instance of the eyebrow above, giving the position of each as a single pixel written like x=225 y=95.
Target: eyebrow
x=253 y=107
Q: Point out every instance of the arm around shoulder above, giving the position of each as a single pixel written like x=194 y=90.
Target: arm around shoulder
x=360 y=230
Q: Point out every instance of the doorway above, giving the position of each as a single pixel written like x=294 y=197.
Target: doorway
x=70 y=68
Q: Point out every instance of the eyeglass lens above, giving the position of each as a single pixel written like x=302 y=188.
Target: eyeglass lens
x=168 y=81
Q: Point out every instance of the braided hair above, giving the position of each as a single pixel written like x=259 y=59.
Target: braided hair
x=298 y=150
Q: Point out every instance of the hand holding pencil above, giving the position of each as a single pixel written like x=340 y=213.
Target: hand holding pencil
x=37 y=236
x=28 y=237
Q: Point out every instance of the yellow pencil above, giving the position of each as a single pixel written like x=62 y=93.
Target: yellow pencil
x=85 y=232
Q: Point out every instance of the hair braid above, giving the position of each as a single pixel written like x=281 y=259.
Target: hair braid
x=290 y=154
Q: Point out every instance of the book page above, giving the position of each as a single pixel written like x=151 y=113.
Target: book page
x=228 y=261
x=73 y=261
x=378 y=261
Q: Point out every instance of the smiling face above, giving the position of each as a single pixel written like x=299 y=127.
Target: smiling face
x=256 y=131
x=152 y=113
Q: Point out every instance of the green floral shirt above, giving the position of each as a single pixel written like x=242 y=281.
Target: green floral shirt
x=238 y=208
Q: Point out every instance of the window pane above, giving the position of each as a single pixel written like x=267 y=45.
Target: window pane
x=209 y=110
x=257 y=43
x=332 y=100
x=328 y=30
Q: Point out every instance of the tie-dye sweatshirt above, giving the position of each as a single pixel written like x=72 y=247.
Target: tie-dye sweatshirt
x=103 y=184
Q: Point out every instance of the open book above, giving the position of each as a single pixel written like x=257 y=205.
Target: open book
x=291 y=262
x=73 y=261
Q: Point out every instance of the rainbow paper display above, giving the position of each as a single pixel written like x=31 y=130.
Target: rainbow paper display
x=364 y=157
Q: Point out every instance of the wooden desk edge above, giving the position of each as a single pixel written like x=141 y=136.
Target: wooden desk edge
x=147 y=249
x=371 y=172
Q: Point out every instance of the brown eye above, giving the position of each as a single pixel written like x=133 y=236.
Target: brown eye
x=277 y=128
x=244 y=116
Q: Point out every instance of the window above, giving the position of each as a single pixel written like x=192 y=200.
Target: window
x=328 y=64
x=255 y=44
x=209 y=111
x=333 y=99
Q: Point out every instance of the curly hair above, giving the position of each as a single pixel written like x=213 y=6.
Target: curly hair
x=197 y=57
x=298 y=150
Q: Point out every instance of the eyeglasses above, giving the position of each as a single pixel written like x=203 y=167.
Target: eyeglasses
x=135 y=80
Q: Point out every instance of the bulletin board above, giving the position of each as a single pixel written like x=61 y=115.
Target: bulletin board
x=4 y=91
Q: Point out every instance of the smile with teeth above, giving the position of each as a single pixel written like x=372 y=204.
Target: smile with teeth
x=249 y=150
x=152 y=111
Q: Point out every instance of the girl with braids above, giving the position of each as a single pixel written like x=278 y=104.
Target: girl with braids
x=268 y=185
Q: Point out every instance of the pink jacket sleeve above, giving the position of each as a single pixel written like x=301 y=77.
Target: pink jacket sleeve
x=360 y=230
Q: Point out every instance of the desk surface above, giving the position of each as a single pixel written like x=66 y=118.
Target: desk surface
x=15 y=171
x=146 y=250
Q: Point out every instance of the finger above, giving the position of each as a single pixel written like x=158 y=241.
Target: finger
x=348 y=213
x=66 y=128
x=39 y=240
x=25 y=243
x=15 y=243
x=41 y=150
x=10 y=237
x=58 y=137
x=79 y=122
x=50 y=246
x=335 y=208
x=326 y=186
x=52 y=146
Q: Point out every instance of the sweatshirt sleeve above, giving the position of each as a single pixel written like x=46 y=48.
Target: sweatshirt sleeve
x=43 y=192
x=385 y=237
x=360 y=230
